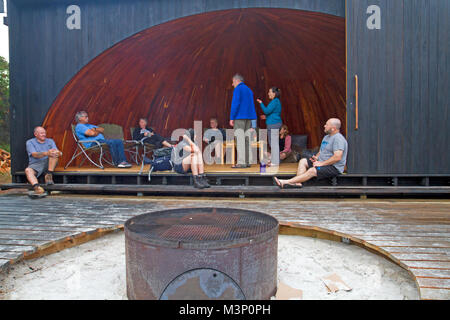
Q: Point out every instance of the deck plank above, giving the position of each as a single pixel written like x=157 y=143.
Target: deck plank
x=434 y=294
x=11 y=255
x=445 y=265
x=419 y=242
x=15 y=248
x=32 y=232
x=432 y=273
x=43 y=228
x=423 y=257
x=406 y=250
x=434 y=283
x=25 y=243
x=54 y=224
x=43 y=236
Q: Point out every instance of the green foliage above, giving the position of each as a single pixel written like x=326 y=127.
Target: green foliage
x=4 y=103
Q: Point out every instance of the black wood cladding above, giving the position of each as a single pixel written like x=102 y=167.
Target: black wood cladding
x=404 y=95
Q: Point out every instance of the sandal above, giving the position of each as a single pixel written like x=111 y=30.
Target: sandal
x=278 y=182
x=239 y=166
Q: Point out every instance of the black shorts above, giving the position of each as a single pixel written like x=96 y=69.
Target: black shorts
x=178 y=168
x=325 y=171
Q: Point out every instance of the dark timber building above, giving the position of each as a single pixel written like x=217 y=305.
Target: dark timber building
x=382 y=66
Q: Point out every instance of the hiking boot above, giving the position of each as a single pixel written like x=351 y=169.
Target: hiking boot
x=197 y=183
x=49 y=179
x=204 y=181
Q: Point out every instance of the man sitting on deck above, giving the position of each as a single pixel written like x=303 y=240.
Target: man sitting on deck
x=42 y=158
x=86 y=131
x=328 y=163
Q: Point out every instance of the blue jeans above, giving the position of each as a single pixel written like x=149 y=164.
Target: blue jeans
x=116 y=150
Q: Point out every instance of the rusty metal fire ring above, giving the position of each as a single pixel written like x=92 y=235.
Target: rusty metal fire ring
x=201 y=228
x=201 y=253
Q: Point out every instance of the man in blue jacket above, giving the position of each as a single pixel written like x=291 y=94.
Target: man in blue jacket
x=241 y=116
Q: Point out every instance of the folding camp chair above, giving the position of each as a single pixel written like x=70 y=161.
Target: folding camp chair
x=114 y=131
x=146 y=148
x=88 y=152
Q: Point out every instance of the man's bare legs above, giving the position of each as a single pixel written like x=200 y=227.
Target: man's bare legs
x=31 y=173
x=194 y=162
x=31 y=176
x=309 y=174
x=298 y=180
x=302 y=169
x=198 y=159
x=52 y=162
x=302 y=166
x=303 y=174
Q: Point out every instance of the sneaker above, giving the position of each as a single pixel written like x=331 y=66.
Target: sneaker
x=49 y=179
x=124 y=165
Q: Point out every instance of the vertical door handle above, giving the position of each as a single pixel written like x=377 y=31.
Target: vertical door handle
x=356 y=103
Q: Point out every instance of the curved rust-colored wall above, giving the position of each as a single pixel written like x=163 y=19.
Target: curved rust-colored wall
x=181 y=71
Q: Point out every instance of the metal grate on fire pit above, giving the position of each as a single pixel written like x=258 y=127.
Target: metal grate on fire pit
x=201 y=227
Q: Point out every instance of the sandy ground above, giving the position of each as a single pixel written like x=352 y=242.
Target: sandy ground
x=96 y=270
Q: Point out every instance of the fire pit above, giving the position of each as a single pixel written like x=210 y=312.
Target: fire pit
x=201 y=253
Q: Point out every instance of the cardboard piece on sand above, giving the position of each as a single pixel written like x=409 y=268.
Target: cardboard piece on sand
x=286 y=292
x=334 y=283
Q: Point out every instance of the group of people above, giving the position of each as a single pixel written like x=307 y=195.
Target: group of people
x=328 y=162
x=43 y=154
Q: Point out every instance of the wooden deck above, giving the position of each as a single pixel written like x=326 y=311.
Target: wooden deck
x=413 y=234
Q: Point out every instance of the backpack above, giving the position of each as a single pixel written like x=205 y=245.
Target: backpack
x=160 y=164
x=162 y=152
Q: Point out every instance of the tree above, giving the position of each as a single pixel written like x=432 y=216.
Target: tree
x=4 y=104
